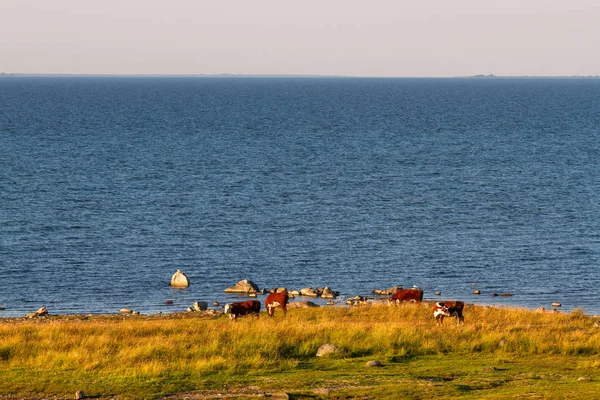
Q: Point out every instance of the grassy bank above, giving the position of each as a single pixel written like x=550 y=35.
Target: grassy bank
x=498 y=353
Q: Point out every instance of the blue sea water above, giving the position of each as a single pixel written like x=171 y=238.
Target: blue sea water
x=108 y=185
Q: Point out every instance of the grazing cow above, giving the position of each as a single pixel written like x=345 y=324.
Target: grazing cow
x=414 y=295
x=242 y=308
x=443 y=309
x=275 y=300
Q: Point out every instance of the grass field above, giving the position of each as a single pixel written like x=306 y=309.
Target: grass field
x=499 y=353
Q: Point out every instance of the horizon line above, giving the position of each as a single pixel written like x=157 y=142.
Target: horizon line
x=241 y=75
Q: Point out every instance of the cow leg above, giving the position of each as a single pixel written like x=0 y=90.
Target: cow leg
x=459 y=317
x=284 y=309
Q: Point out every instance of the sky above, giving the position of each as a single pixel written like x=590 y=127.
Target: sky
x=387 y=38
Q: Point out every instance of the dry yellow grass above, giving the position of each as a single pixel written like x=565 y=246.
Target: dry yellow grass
x=141 y=355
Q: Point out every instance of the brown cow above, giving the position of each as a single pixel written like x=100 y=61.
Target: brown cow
x=242 y=308
x=275 y=300
x=443 y=309
x=414 y=295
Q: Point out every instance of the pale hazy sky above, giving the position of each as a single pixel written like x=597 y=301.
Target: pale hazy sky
x=323 y=37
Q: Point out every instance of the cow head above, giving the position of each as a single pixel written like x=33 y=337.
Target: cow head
x=440 y=311
x=227 y=308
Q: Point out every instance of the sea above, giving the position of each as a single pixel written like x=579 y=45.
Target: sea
x=109 y=185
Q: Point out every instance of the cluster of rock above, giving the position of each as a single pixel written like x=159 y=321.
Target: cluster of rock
x=387 y=292
x=198 y=306
x=41 y=312
x=250 y=288
x=125 y=311
x=324 y=293
x=357 y=301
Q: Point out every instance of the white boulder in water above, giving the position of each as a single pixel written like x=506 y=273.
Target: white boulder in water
x=180 y=280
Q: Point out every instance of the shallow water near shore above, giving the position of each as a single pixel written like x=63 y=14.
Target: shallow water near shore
x=109 y=185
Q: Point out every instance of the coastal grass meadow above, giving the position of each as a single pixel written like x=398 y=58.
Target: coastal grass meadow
x=497 y=353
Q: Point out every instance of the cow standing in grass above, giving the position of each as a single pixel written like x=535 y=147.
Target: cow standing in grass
x=443 y=309
x=275 y=300
x=242 y=308
x=414 y=295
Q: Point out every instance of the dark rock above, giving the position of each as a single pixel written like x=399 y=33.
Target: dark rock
x=200 y=305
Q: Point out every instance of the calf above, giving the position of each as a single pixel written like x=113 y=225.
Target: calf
x=414 y=295
x=242 y=308
x=275 y=300
x=443 y=309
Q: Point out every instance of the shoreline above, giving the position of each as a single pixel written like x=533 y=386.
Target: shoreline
x=217 y=312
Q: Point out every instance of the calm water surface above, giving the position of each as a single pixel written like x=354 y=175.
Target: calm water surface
x=109 y=185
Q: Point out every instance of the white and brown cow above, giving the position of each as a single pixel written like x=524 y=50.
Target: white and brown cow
x=443 y=309
x=275 y=300
x=242 y=308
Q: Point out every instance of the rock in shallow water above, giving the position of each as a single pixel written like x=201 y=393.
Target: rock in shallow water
x=200 y=305
x=180 y=280
x=243 y=286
